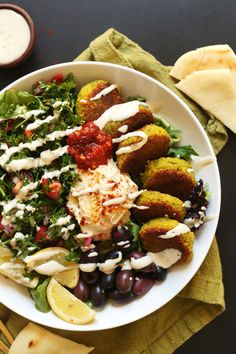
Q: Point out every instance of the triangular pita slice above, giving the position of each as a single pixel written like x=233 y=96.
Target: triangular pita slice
x=34 y=339
x=218 y=56
x=214 y=91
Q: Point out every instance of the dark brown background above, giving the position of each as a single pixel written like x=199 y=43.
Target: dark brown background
x=167 y=29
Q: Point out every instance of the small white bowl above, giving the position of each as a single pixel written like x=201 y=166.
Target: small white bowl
x=176 y=112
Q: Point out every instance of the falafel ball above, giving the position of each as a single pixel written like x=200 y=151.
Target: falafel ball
x=156 y=146
x=150 y=232
x=143 y=117
x=90 y=109
x=159 y=205
x=169 y=175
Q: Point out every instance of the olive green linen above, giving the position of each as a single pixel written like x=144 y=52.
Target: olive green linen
x=203 y=298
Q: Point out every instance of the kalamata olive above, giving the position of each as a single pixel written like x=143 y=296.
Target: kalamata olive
x=97 y=295
x=122 y=237
x=149 y=268
x=108 y=280
x=90 y=277
x=91 y=256
x=114 y=294
x=135 y=254
x=82 y=291
x=124 y=280
x=142 y=284
x=113 y=254
x=159 y=274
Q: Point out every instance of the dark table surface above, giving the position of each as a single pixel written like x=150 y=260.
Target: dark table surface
x=167 y=29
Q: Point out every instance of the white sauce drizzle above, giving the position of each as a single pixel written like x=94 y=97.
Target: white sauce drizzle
x=41 y=256
x=134 y=195
x=199 y=162
x=46 y=158
x=57 y=173
x=109 y=265
x=123 y=129
x=62 y=221
x=180 y=229
x=88 y=267
x=119 y=112
x=166 y=258
x=21 y=195
x=96 y=188
x=17 y=236
x=133 y=147
x=38 y=122
x=104 y=92
x=114 y=201
x=32 y=146
x=50 y=268
x=141 y=207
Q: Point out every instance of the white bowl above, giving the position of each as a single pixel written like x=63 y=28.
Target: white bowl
x=176 y=112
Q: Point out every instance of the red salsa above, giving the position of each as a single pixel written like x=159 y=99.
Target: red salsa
x=90 y=146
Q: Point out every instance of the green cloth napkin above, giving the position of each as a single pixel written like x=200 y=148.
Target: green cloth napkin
x=203 y=298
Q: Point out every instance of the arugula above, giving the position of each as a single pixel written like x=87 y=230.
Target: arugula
x=39 y=295
x=175 y=134
x=183 y=152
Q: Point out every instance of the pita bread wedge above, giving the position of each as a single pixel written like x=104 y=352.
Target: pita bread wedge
x=218 y=56
x=34 y=339
x=214 y=91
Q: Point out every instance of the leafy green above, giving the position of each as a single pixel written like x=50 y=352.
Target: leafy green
x=14 y=103
x=39 y=294
x=134 y=229
x=175 y=134
x=136 y=98
x=73 y=256
x=183 y=152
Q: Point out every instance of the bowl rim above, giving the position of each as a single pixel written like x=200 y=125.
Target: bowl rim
x=207 y=141
x=30 y=23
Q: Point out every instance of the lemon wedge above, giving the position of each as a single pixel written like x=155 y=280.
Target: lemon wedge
x=50 y=261
x=68 y=278
x=66 y=306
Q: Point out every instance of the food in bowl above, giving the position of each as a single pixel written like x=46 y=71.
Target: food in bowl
x=98 y=197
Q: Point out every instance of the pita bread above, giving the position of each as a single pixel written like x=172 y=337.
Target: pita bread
x=212 y=57
x=214 y=91
x=34 y=339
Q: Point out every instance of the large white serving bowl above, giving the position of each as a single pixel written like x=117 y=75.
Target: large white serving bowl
x=167 y=105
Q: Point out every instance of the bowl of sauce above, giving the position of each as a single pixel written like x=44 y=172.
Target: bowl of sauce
x=17 y=35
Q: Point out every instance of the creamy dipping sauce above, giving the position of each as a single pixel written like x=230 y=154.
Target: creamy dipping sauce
x=14 y=36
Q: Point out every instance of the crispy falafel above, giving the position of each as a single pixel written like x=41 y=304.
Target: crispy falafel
x=156 y=146
x=169 y=175
x=159 y=205
x=90 y=109
x=144 y=116
x=151 y=241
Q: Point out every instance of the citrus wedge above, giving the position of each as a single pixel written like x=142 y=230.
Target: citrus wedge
x=66 y=306
x=68 y=278
x=50 y=261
